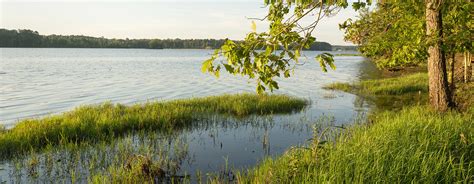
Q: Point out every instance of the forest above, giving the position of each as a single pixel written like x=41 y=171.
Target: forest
x=30 y=38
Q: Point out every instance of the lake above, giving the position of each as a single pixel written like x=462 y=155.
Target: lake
x=36 y=82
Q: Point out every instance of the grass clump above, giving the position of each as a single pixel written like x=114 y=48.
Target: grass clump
x=106 y=121
x=389 y=93
x=411 y=145
x=414 y=83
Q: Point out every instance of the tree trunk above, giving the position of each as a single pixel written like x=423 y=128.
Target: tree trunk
x=453 y=73
x=440 y=98
x=467 y=60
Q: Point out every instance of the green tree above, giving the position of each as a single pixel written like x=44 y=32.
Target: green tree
x=155 y=44
x=268 y=55
x=397 y=43
x=394 y=35
x=391 y=35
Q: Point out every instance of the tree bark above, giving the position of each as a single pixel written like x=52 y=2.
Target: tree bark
x=453 y=73
x=440 y=98
x=466 y=67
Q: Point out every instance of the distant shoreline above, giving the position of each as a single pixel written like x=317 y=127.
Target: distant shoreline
x=25 y=38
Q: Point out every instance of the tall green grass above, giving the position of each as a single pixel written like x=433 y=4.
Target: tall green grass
x=106 y=121
x=389 y=93
x=410 y=145
x=414 y=83
x=413 y=145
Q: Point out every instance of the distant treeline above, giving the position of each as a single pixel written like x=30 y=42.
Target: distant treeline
x=30 y=38
x=344 y=48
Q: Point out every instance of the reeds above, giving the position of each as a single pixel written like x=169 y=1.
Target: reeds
x=107 y=121
x=414 y=83
x=412 y=145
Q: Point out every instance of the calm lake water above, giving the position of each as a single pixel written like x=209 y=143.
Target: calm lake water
x=37 y=82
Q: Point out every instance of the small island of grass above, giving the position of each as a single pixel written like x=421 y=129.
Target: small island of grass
x=106 y=121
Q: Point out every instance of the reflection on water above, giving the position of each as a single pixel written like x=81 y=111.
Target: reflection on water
x=42 y=81
x=215 y=144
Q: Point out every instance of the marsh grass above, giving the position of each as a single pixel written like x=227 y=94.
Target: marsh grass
x=389 y=93
x=411 y=145
x=397 y=92
x=107 y=121
x=414 y=83
x=141 y=156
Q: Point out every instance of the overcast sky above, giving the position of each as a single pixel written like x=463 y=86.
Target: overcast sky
x=149 y=18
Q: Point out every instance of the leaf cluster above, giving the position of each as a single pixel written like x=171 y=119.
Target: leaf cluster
x=272 y=54
x=394 y=33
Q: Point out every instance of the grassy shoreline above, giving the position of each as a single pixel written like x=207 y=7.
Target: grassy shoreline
x=411 y=145
x=107 y=121
x=392 y=93
x=407 y=143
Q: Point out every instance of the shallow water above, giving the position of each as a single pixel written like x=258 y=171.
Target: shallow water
x=37 y=82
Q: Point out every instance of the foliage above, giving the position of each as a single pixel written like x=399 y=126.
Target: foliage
x=28 y=38
x=267 y=55
x=106 y=121
x=393 y=34
x=458 y=27
x=412 y=145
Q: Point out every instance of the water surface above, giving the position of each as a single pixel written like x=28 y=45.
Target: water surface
x=38 y=82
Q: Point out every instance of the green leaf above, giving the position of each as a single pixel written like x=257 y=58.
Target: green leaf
x=217 y=71
x=326 y=59
x=207 y=65
x=274 y=85
x=254 y=26
x=287 y=73
x=229 y=68
x=260 y=89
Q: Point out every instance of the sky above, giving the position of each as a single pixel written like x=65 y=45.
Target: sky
x=161 y=19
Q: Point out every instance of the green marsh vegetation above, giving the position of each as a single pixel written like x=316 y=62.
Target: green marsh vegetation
x=403 y=141
x=389 y=93
x=407 y=144
x=416 y=135
x=149 y=153
x=107 y=121
x=411 y=145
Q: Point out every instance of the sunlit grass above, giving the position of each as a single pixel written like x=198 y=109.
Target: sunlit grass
x=389 y=93
x=412 y=145
x=409 y=145
x=414 y=83
x=106 y=121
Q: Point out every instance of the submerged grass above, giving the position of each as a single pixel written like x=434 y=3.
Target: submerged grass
x=106 y=121
x=412 y=145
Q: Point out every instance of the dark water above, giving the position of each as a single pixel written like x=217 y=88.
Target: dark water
x=37 y=82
